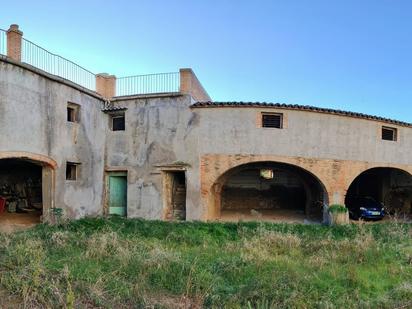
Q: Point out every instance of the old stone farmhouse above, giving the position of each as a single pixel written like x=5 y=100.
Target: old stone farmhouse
x=157 y=147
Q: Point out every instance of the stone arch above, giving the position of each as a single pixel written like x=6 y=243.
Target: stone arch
x=361 y=168
x=311 y=183
x=390 y=185
x=48 y=174
x=29 y=156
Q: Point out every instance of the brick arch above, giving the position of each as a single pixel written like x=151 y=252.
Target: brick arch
x=215 y=169
x=49 y=167
x=29 y=156
x=357 y=172
x=345 y=172
x=376 y=181
x=335 y=175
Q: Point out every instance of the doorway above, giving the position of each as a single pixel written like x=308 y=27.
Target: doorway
x=21 y=194
x=175 y=195
x=117 y=188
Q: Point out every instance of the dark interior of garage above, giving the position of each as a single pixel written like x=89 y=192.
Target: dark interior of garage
x=389 y=186
x=20 y=191
x=272 y=191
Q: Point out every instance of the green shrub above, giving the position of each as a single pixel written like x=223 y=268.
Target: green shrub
x=337 y=208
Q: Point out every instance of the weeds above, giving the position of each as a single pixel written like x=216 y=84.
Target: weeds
x=107 y=263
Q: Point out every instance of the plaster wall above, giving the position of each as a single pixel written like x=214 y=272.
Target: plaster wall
x=159 y=131
x=335 y=149
x=229 y=130
x=33 y=120
x=164 y=131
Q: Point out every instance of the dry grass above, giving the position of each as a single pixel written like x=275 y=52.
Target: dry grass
x=120 y=263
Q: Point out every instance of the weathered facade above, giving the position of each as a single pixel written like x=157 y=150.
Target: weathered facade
x=179 y=156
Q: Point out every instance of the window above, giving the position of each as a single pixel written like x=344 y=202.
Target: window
x=272 y=120
x=73 y=112
x=266 y=173
x=389 y=134
x=118 y=122
x=71 y=170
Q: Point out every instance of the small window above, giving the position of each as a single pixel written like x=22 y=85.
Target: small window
x=73 y=112
x=118 y=122
x=71 y=170
x=272 y=121
x=389 y=134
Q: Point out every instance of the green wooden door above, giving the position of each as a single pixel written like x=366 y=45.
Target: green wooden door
x=118 y=195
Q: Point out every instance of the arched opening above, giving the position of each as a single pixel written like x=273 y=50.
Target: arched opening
x=391 y=187
x=25 y=192
x=270 y=191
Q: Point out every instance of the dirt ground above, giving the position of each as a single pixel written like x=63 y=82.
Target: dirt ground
x=11 y=222
x=10 y=301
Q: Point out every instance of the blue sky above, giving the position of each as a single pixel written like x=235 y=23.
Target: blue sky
x=351 y=55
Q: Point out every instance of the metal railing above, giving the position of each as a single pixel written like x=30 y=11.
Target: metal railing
x=147 y=84
x=3 y=42
x=42 y=59
x=56 y=65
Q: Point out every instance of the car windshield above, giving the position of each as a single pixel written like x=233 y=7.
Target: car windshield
x=368 y=202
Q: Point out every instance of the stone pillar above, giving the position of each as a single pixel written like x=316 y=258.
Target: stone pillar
x=14 y=36
x=186 y=76
x=189 y=84
x=337 y=197
x=106 y=85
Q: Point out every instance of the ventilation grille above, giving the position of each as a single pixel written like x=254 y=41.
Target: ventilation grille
x=272 y=121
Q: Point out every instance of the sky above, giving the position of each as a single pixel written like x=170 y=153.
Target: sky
x=352 y=55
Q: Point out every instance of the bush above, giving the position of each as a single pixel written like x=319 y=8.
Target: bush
x=337 y=209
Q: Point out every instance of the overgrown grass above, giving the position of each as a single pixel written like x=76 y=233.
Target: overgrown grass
x=118 y=263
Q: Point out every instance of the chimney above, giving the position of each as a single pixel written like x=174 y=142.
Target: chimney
x=189 y=84
x=14 y=36
x=106 y=85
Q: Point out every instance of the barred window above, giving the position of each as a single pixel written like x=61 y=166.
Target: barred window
x=389 y=134
x=272 y=120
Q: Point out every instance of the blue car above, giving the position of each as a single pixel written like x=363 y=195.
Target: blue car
x=364 y=208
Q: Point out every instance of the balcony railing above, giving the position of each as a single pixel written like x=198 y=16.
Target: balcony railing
x=3 y=42
x=56 y=65
x=148 y=84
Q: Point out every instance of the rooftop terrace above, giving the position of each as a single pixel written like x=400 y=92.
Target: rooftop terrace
x=15 y=47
